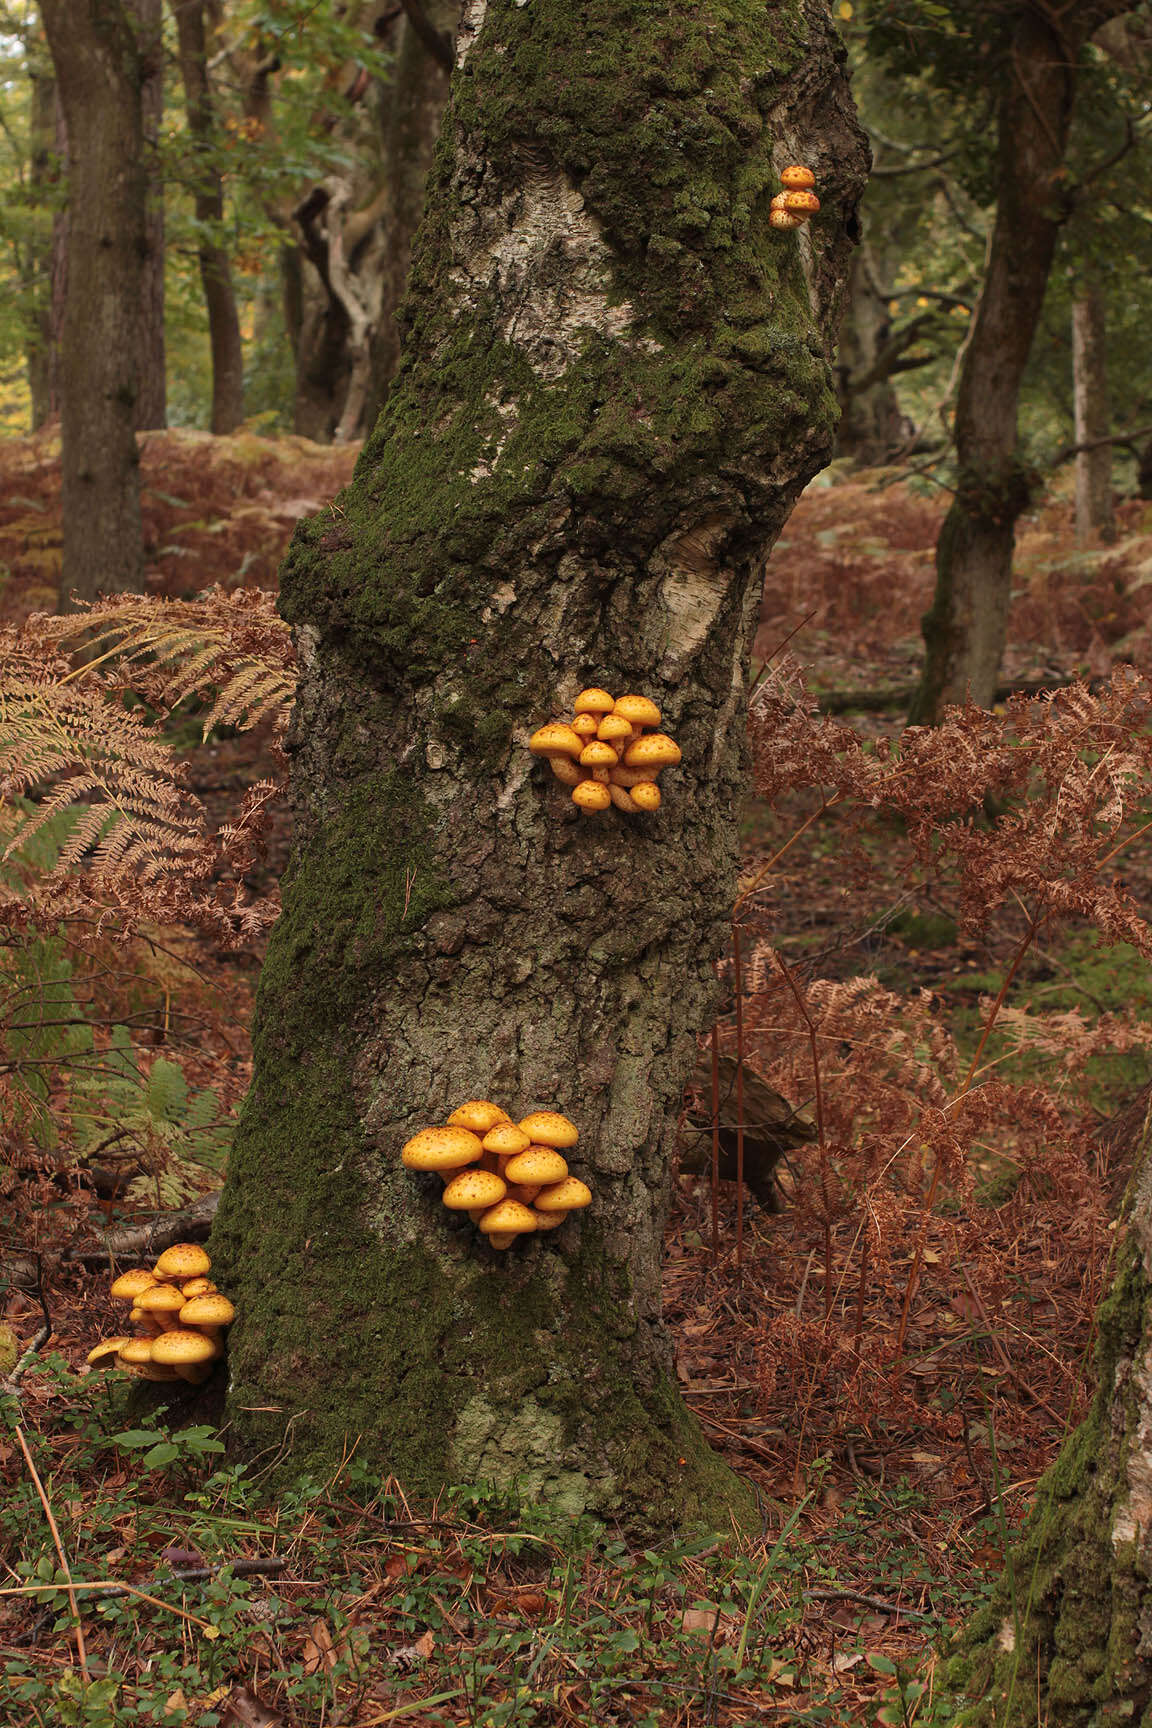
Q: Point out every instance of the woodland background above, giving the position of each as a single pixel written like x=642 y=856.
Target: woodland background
x=891 y=1354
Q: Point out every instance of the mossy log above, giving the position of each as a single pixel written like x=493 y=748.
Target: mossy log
x=1067 y=1637
x=616 y=381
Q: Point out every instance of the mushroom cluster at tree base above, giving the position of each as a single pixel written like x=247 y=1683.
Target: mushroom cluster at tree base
x=608 y=754
x=510 y=1178
x=179 y=1318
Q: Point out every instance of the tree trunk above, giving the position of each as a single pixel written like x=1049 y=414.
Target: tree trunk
x=616 y=383
x=417 y=93
x=215 y=265
x=152 y=380
x=872 y=428
x=1066 y=1637
x=1095 y=513
x=43 y=173
x=98 y=74
x=965 y=629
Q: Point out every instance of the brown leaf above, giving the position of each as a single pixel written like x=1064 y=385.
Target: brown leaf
x=245 y=1710
x=318 y=1649
x=699 y=1620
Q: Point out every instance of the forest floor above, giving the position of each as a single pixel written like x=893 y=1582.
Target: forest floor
x=894 y=1412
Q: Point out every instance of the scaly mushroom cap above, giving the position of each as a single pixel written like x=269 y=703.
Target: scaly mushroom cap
x=214 y=1310
x=548 y=1220
x=566 y=770
x=441 y=1149
x=182 y=1260
x=785 y=219
x=564 y=1196
x=183 y=1348
x=506 y=1140
x=597 y=754
x=594 y=702
x=795 y=176
x=801 y=203
x=549 y=1128
x=478 y=1115
x=645 y=795
x=591 y=795
x=197 y=1287
x=134 y=1351
x=162 y=1303
x=637 y=710
x=587 y=725
x=555 y=739
x=613 y=729
x=132 y=1284
x=474 y=1189
x=539 y=1165
x=779 y=202
x=654 y=750
x=104 y=1355
x=507 y=1215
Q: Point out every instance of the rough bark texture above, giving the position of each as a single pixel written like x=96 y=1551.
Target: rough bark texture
x=215 y=266
x=964 y=630
x=98 y=74
x=1068 y=1636
x=152 y=372
x=416 y=95
x=1095 y=511
x=872 y=427
x=616 y=381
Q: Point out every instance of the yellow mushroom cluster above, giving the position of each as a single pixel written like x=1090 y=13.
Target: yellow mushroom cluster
x=179 y=1318
x=792 y=207
x=609 y=753
x=509 y=1177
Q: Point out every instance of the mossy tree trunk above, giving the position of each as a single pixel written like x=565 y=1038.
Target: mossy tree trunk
x=965 y=629
x=1067 y=1637
x=615 y=383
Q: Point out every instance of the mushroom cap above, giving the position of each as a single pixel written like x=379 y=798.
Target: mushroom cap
x=594 y=701
x=502 y=1238
x=586 y=725
x=646 y=795
x=539 y=1164
x=778 y=203
x=183 y=1346
x=133 y=1351
x=197 y=1287
x=441 y=1149
x=478 y=1115
x=549 y=1128
x=555 y=739
x=795 y=175
x=655 y=750
x=801 y=203
x=548 y=1220
x=591 y=795
x=637 y=710
x=105 y=1352
x=564 y=1196
x=525 y=1194
x=212 y=1310
x=614 y=726
x=597 y=754
x=182 y=1260
x=786 y=219
x=507 y=1215
x=506 y=1140
x=472 y=1189
x=566 y=769
x=161 y=1299
x=131 y=1284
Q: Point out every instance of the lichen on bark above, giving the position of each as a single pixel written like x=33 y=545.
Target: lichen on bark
x=616 y=382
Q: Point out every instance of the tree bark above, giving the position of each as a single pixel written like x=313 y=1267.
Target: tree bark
x=152 y=379
x=1066 y=1636
x=417 y=94
x=872 y=428
x=965 y=629
x=1095 y=512
x=43 y=174
x=617 y=381
x=99 y=78
x=215 y=265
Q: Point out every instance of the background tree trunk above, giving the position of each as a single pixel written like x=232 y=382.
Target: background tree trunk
x=215 y=265
x=1066 y=1636
x=617 y=381
x=964 y=630
x=152 y=380
x=44 y=173
x=872 y=428
x=98 y=74
x=414 y=107
x=1095 y=512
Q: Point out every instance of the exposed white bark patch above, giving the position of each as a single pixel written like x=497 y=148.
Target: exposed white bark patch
x=693 y=590
x=1006 y=1637
x=1132 y=1519
x=543 y=257
x=471 y=23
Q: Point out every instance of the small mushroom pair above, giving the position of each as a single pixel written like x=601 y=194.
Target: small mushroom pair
x=179 y=1317
x=509 y=1177
x=792 y=207
x=608 y=754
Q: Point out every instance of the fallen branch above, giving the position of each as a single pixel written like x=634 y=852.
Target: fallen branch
x=190 y=1224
